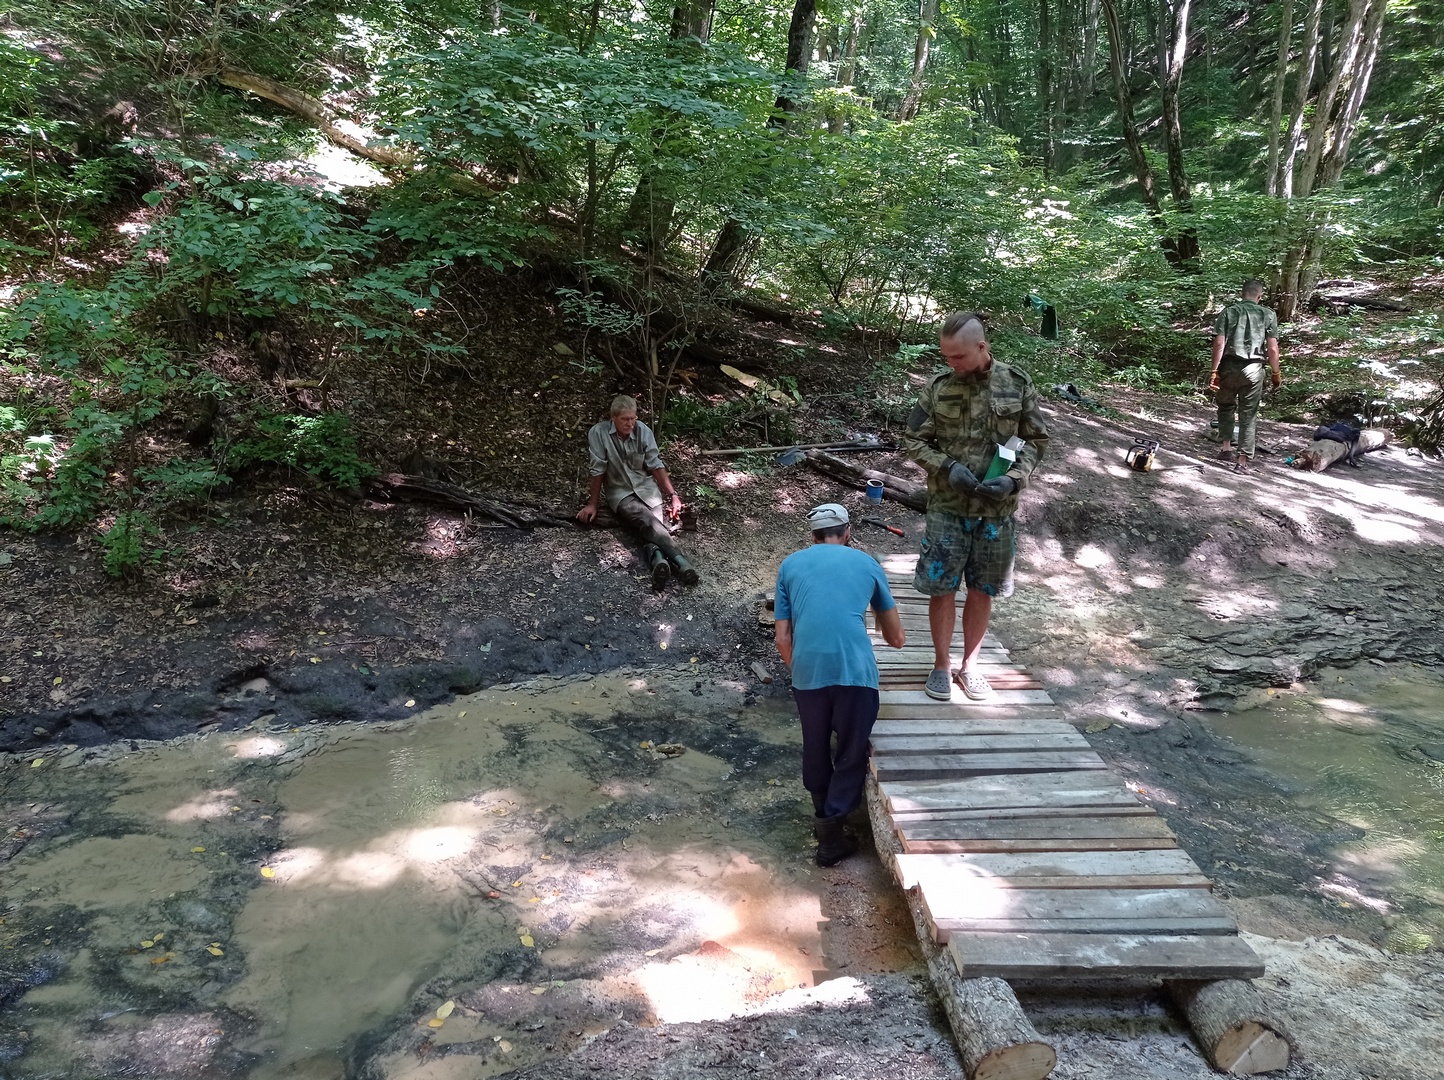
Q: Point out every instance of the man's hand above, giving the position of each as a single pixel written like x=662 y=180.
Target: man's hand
x=961 y=478
x=1213 y=380
x=587 y=513
x=674 y=508
x=998 y=488
x=1276 y=379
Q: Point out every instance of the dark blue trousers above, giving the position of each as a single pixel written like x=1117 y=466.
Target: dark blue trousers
x=835 y=776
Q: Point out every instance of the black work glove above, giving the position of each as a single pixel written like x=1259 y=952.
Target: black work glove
x=999 y=488
x=961 y=478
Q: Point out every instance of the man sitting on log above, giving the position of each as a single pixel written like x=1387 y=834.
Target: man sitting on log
x=966 y=425
x=1243 y=334
x=626 y=466
x=823 y=593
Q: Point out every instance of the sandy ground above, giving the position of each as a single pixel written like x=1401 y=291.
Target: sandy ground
x=1145 y=601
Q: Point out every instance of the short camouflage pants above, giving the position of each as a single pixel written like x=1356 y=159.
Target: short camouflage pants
x=974 y=551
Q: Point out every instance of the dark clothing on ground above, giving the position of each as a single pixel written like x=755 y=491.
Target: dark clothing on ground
x=848 y=712
x=647 y=524
x=1240 y=390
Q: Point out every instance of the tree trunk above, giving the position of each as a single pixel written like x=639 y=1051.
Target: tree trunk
x=650 y=212
x=927 y=18
x=732 y=240
x=1281 y=72
x=1173 y=17
x=1090 y=49
x=1045 y=83
x=1141 y=169
x=1331 y=131
x=848 y=68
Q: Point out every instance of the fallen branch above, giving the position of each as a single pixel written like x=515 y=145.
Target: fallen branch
x=317 y=112
x=846 y=447
x=405 y=488
x=895 y=488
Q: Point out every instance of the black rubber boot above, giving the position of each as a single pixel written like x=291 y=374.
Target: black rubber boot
x=834 y=843
x=661 y=571
x=819 y=800
x=685 y=570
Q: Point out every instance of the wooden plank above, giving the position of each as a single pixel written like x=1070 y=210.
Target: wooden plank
x=1138 y=866
x=946 y=713
x=912 y=678
x=1026 y=844
x=1086 y=911
x=1041 y=823
x=1058 y=789
x=997 y=697
x=1075 y=956
x=908 y=818
x=977 y=743
x=946 y=766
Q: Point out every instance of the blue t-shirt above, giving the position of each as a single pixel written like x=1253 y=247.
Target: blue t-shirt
x=825 y=590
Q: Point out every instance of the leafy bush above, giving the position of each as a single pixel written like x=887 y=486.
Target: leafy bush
x=322 y=446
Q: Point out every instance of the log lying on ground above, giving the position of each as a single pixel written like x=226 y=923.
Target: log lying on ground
x=893 y=487
x=837 y=448
x=1233 y=1025
x=1324 y=452
x=995 y=1037
x=405 y=488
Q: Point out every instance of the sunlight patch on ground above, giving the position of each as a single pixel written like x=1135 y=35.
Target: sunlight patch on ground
x=258 y=746
x=732 y=479
x=213 y=804
x=1093 y=557
x=1149 y=581
x=339 y=168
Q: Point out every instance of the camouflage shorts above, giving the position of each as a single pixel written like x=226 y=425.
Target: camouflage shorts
x=974 y=551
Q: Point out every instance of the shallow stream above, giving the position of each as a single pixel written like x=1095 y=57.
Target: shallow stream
x=457 y=894
x=1364 y=745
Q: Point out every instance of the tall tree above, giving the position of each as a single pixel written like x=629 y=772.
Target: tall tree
x=1142 y=171
x=1173 y=34
x=733 y=238
x=927 y=21
x=1045 y=83
x=1331 y=131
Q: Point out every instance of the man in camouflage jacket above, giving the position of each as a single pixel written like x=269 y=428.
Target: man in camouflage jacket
x=954 y=432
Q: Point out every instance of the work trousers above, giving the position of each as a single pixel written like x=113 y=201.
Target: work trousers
x=1240 y=387
x=835 y=776
x=647 y=523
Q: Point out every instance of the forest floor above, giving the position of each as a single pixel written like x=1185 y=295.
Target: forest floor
x=1159 y=608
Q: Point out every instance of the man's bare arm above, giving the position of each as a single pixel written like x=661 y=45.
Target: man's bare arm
x=1218 y=341
x=784 y=640
x=664 y=482
x=889 y=625
x=1273 y=344
x=594 y=494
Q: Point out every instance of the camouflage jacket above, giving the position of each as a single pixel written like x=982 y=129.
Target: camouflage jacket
x=964 y=419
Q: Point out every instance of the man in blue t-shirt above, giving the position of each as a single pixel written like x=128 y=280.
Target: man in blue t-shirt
x=823 y=593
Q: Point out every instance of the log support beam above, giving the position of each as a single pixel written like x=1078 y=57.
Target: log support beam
x=1233 y=1026
x=994 y=1035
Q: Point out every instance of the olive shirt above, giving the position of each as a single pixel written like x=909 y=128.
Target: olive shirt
x=626 y=465
x=964 y=418
x=1245 y=327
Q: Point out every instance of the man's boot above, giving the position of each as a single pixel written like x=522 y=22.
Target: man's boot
x=661 y=571
x=834 y=843
x=685 y=570
x=819 y=800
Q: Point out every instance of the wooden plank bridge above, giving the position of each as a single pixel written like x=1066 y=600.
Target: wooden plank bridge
x=1024 y=857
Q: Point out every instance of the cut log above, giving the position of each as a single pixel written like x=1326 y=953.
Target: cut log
x=994 y=1035
x=1233 y=1025
x=1324 y=452
x=401 y=486
x=835 y=447
x=895 y=488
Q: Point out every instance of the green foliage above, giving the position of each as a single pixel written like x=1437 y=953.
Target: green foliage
x=322 y=446
x=698 y=418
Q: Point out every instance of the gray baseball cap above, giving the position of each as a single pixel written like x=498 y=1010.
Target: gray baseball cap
x=827 y=516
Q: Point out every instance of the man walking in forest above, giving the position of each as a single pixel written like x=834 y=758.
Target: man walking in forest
x=1244 y=334
x=823 y=593
x=980 y=418
x=626 y=466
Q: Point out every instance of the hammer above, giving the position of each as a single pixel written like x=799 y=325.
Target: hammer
x=881 y=524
